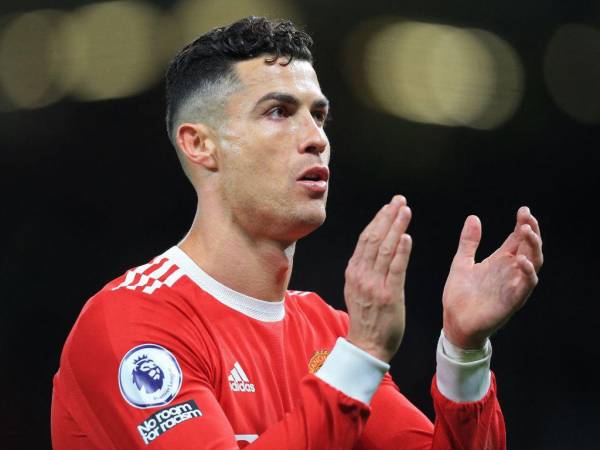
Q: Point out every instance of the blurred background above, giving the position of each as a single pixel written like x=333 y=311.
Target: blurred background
x=466 y=107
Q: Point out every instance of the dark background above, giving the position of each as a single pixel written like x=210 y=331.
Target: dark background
x=90 y=189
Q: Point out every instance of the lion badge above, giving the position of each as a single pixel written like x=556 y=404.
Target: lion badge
x=149 y=376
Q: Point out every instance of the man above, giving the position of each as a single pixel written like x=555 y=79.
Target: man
x=204 y=347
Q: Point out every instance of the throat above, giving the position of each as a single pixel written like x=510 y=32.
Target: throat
x=261 y=270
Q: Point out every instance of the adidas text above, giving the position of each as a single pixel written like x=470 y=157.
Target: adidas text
x=240 y=386
x=238 y=380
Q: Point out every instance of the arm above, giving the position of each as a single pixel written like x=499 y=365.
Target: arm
x=478 y=299
x=472 y=420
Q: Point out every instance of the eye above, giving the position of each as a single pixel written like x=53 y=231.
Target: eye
x=277 y=112
x=321 y=117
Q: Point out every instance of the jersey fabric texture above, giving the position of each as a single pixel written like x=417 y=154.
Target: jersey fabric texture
x=165 y=357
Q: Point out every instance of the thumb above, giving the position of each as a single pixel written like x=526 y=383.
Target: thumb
x=469 y=240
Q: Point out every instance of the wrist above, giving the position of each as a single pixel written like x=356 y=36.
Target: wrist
x=463 y=341
x=373 y=350
x=462 y=355
x=352 y=371
x=462 y=375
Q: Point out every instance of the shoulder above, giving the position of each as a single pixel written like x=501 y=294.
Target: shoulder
x=316 y=309
x=141 y=305
x=147 y=289
x=147 y=278
x=148 y=312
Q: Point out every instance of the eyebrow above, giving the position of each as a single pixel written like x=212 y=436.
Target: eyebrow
x=292 y=100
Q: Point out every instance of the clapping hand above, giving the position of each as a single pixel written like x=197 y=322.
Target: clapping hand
x=375 y=276
x=479 y=298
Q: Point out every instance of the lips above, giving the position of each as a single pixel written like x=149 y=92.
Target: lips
x=314 y=179
x=315 y=173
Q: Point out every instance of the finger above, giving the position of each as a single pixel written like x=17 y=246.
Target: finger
x=397 y=272
x=530 y=274
x=362 y=239
x=525 y=283
x=524 y=216
x=528 y=268
x=469 y=241
x=387 y=249
x=377 y=233
x=531 y=246
x=514 y=239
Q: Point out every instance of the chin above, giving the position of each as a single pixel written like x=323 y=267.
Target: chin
x=307 y=221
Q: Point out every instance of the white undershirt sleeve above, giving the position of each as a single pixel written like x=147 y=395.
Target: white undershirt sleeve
x=353 y=371
x=463 y=375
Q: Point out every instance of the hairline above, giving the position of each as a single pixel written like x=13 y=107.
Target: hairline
x=215 y=101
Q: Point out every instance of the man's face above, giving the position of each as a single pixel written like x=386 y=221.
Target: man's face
x=273 y=151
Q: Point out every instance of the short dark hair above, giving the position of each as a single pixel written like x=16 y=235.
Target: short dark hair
x=209 y=60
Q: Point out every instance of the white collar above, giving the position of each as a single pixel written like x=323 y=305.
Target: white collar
x=262 y=310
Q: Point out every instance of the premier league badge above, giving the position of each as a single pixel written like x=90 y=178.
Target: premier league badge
x=149 y=376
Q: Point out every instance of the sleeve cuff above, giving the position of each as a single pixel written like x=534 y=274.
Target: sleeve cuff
x=352 y=371
x=463 y=375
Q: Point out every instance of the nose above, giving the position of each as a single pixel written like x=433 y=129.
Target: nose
x=314 y=139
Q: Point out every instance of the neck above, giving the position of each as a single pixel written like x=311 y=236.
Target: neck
x=256 y=267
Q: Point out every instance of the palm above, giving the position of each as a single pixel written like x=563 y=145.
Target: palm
x=480 y=297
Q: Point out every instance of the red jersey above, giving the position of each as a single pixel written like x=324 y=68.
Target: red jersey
x=166 y=357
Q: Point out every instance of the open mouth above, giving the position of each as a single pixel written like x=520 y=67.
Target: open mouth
x=315 y=174
x=315 y=179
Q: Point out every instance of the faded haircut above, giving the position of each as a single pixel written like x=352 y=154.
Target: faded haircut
x=201 y=77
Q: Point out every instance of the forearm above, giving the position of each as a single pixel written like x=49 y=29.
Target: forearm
x=335 y=404
x=460 y=424
x=468 y=415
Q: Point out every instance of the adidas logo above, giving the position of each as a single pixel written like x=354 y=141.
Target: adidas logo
x=238 y=380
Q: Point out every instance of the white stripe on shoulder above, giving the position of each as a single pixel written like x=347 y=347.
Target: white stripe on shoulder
x=151 y=281
x=299 y=293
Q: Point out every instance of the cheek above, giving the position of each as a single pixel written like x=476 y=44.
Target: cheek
x=258 y=161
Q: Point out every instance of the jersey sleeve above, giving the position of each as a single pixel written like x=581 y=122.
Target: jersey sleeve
x=396 y=423
x=174 y=405
x=466 y=425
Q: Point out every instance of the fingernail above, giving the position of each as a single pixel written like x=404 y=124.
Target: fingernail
x=397 y=199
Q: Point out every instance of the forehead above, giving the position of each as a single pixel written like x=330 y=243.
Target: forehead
x=259 y=77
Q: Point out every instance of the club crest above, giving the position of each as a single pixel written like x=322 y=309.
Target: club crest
x=317 y=360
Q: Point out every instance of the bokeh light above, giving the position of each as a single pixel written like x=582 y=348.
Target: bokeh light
x=572 y=71
x=109 y=49
x=29 y=58
x=106 y=50
x=194 y=17
x=433 y=73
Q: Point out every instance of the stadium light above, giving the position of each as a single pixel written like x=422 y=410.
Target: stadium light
x=194 y=17
x=572 y=71
x=106 y=50
x=437 y=74
x=109 y=49
x=29 y=59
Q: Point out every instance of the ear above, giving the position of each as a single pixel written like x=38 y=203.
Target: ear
x=197 y=144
